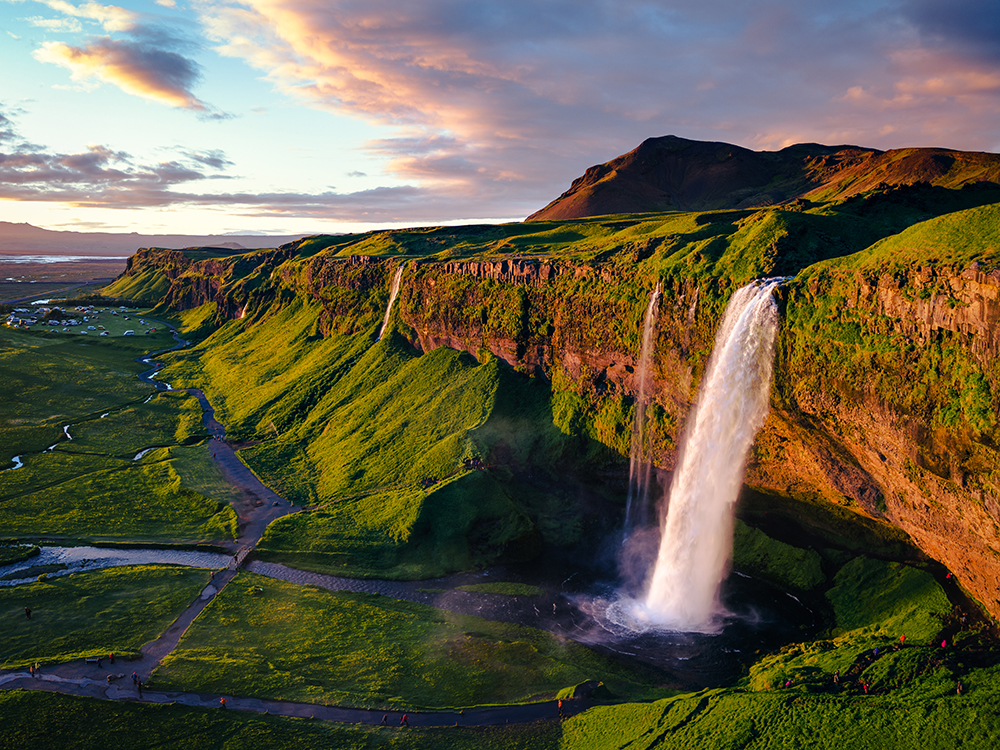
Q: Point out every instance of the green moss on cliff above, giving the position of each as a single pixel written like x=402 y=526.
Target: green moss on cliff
x=782 y=564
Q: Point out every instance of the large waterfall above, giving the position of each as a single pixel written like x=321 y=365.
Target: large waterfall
x=639 y=468
x=697 y=532
x=393 y=292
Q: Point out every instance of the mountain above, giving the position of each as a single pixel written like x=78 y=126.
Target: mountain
x=671 y=173
x=31 y=239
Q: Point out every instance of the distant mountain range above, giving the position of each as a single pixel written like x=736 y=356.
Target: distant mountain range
x=31 y=239
x=672 y=173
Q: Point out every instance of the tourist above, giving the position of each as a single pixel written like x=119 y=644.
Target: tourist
x=404 y=722
x=958 y=688
x=111 y=657
x=559 y=705
x=222 y=702
x=135 y=679
x=31 y=669
x=27 y=612
x=385 y=720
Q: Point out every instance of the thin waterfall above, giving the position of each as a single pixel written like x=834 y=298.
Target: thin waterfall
x=393 y=292
x=639 y=467
x=697 y=532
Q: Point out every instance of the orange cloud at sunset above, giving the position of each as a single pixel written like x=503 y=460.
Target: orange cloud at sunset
x=152 y=74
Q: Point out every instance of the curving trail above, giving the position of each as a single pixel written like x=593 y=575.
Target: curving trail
x=259 y=507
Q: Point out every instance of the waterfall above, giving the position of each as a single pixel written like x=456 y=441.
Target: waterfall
x=640 y=469
x=697 y=532
x=393 y=292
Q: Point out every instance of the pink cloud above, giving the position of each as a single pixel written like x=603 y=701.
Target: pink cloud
x=136 y=68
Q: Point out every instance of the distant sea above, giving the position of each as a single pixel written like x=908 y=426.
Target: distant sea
x=57 y=258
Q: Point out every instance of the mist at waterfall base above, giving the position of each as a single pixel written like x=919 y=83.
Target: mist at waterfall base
x=671 y=602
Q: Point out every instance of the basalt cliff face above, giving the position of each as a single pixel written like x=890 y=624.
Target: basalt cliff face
x=883 y=402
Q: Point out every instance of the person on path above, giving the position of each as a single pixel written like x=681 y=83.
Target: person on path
x=958 y=688
x=27 y=612
x=139 y=685
x=31 y=670
x=135 y=679
x=385 y=720
x=559 y=705
x=111 y=657
x=222 y=702
x=404 y=722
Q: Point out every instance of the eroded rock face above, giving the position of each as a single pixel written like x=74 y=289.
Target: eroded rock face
x=932 y=299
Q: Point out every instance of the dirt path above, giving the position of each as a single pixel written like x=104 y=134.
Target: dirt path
x=122 y=689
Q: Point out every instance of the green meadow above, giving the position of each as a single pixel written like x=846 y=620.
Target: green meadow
x=265 y=637
x=93 y=613
x=90 y=487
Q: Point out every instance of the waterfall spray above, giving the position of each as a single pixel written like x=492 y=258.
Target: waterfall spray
x=697 y=533
x=640 y=469
x=393 y=292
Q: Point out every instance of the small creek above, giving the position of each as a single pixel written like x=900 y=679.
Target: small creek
x=78 y=559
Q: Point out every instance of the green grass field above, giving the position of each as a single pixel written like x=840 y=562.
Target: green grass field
x=89 y=487
x=307 y=644
x=93 y=613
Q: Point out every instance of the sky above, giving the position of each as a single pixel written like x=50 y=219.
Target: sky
x=308 y=116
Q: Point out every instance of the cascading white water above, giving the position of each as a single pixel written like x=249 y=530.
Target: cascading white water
x=393 y=291
x=640 y=469
x=697 y=533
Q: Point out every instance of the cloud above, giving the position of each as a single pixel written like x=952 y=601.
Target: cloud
x=70 y=25
x=101 y=177
x=151 y=61
x=111 y=17
x=136 y=68
x=503 y=93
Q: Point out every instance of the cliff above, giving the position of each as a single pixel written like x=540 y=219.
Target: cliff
x=886 y=389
